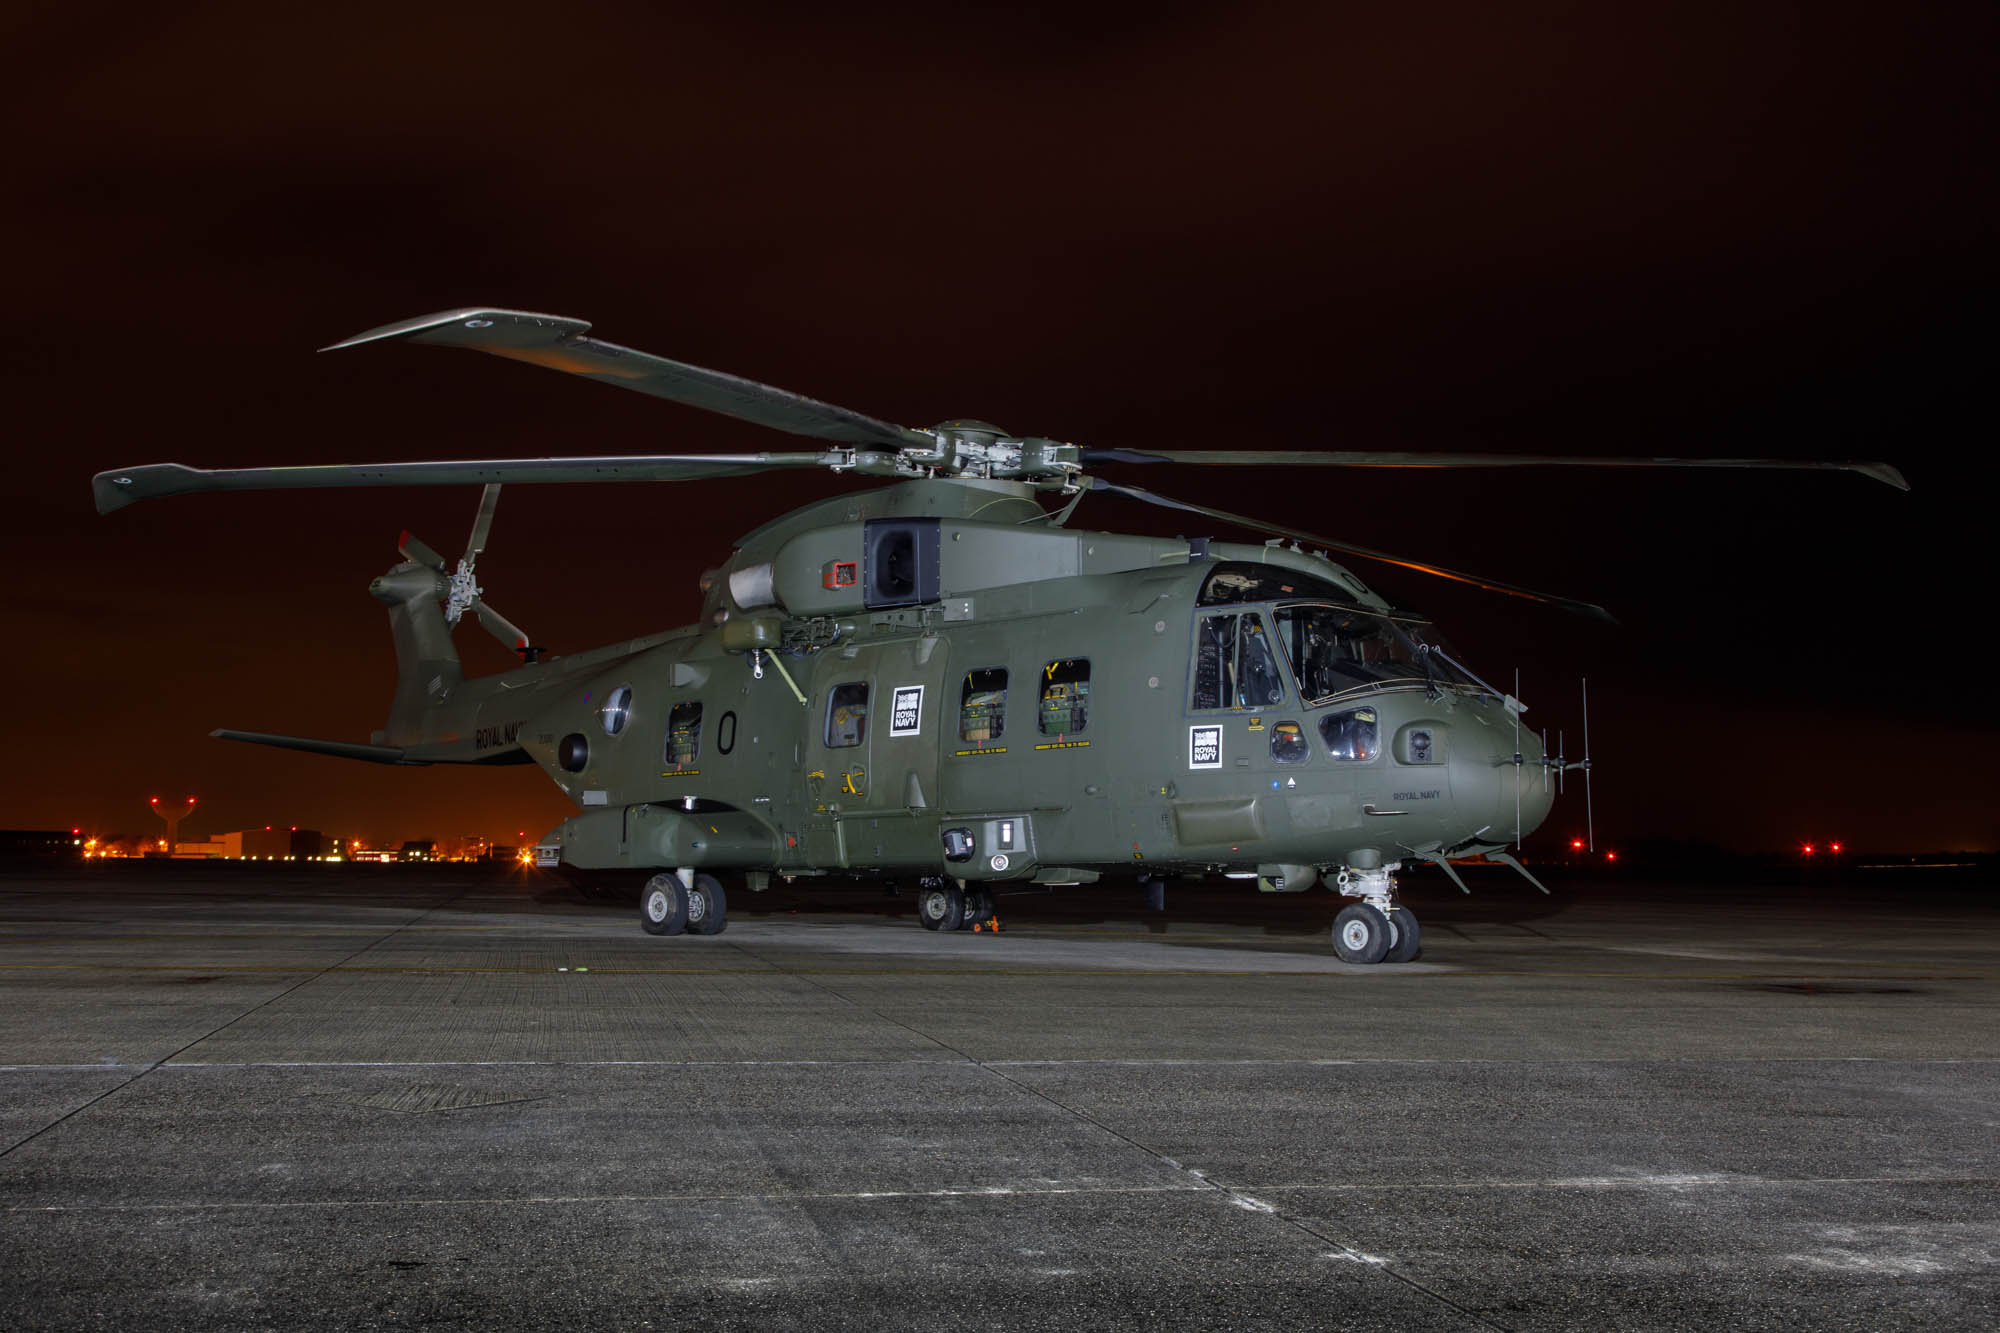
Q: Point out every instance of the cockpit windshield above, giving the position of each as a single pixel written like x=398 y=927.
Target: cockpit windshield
x=1335 y=649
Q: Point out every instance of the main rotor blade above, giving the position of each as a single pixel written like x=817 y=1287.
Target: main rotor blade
x=1882 y=472
x=1590 y=609
x=123 y=486
x=559 y=344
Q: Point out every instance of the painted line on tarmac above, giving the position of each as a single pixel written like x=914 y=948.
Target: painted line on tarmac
x=1199 y=1186
x=1666 y=1182
x=572 y=1200
x=888 y=1062
x=1328 y=970
x=261 y=1004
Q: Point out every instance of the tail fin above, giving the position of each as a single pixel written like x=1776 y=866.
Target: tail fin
x=427 y=665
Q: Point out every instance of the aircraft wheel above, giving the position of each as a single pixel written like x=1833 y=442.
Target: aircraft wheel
x=663 y=907
x=1360 y=934
x=1407 y=944
x=1153 y=894
x=941 y=907
x=707 y=906
x=978 y=907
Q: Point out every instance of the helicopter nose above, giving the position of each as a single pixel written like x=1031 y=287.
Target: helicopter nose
x=1491 y=791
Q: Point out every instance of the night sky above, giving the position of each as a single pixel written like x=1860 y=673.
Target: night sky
x=1601 y=229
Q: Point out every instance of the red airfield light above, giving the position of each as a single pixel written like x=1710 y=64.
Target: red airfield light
x=1833 y=847
x=1611 y=856
x=1809 y=849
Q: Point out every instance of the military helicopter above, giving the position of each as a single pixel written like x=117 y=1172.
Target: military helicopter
x=940 y=679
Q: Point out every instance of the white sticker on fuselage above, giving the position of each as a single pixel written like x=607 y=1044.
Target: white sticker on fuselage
x=906 y=710
x=1205 y=746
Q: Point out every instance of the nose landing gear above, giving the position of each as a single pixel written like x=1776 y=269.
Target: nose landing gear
x=1377 y=929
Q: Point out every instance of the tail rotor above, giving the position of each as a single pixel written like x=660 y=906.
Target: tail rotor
x=462 y=590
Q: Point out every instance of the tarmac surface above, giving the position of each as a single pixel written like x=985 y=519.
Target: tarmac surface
x=382 y=1097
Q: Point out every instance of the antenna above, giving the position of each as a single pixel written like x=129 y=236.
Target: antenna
x=1516 y=711
x=1590 y=825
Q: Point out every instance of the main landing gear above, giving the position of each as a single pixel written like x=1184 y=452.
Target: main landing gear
x=684 y=901
x=943 y=905
x=1377 y=929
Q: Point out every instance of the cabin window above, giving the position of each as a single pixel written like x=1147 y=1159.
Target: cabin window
x=616 y=710
x=1288 y=743
x=847 y=715
x=1352 y=735
x=684 y=733
x=1235 y=664
x=1065 y=696
x=982 y=705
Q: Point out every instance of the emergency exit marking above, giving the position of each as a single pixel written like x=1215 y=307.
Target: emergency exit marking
x=906 y=710
x=1205 y=747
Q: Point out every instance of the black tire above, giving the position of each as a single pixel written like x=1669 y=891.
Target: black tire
x=978 y=907
x=1153 y=894
x=1406 y=944
x=663 y=907
x=708 y=906
x=1360 y=934
x=941 y=906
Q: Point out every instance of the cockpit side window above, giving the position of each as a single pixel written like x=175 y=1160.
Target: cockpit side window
x=1259 y=683
x=1235 y=665
x=1214 y=662
x=1334 y=648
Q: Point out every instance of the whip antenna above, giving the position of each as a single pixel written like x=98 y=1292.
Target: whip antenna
x=1590 y=826
x=1516 y=711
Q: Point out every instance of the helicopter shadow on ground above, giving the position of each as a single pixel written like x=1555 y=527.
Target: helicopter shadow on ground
x=1193 y=905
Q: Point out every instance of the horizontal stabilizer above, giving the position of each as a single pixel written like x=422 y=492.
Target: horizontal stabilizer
x=374 y=754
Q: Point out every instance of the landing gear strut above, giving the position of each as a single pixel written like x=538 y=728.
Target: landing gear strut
x=1377 y=929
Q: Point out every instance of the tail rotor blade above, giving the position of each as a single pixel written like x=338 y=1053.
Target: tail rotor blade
x=501 y=628
x=414 y=549
x=489 y=500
